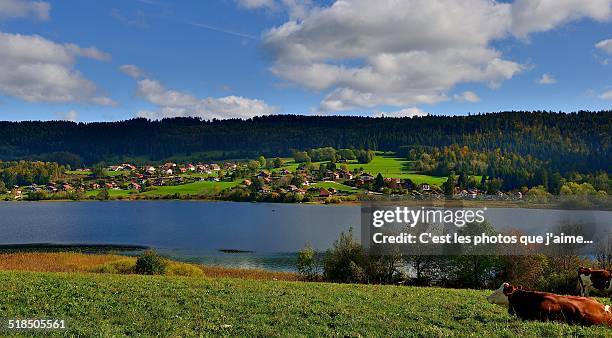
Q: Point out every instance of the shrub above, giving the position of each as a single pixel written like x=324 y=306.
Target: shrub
x=345 y=261
x=150 y=263
x=307 y=263
x=122 y=266
x=103 y=195
x=182 y=269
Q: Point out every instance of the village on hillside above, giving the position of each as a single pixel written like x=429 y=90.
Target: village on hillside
x=276 y=180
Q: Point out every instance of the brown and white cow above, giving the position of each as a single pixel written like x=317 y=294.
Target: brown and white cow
x=594 y=279
x=544 y=306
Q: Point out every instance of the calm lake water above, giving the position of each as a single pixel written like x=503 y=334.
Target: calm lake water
x=197 y=230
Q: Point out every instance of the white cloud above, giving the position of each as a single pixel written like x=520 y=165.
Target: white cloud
x=24 y=8
x=255 y=4
x=89 y=52
x=72 y=115
x=39 y=70
x=607 y=95
x=295 y=8
x=406 y=112
x=369 y=53
x=546 y=79
x=174 y=103
x=132 y=70
x=529 y=16
x=467 y=96
x=605 y=45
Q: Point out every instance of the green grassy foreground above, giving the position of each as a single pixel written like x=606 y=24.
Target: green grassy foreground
x=117 y=305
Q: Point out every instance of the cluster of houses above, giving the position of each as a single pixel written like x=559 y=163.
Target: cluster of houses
x=279 y=181
x=172 y=168
x=308 y=183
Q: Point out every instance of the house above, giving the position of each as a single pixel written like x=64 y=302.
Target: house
x=168 y=171
x=115 y=168
x=265 y=189
x=215 y=167
x=95 y=186
x=191 y=167
x=229 y=166
x=365 y=177
x=424 y=187
x=393 y=183
x=332 y=176
x=292 y=187
x=332 y=191
x=67 y=187
x=150 y=169
x=127 y=166
x=347 y=175
x=247 y=182
x=134 y=186
x=169 y=165
x=324 y=192
x=263 y=174
x=284 y=172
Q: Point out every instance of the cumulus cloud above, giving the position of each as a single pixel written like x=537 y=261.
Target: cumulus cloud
x=546 y=79
x=605 y=45
x=23 y=9
x=529 y=16
x=607 y=95
x=467 y=96
x=132 y=70
x=36 y=69
x=406 y=112
x=72 y=116
x=172 y=103
x=369 y=53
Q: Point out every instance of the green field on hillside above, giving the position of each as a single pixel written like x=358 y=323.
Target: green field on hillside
x=337 y=186
x=388 y=165
x=87 y=172
x=195 y=188
x=119 y=305
x=111 y=192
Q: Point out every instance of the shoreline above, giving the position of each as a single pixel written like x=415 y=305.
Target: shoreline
x=453 y=203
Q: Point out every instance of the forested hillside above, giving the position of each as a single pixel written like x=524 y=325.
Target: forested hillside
x=566 y=142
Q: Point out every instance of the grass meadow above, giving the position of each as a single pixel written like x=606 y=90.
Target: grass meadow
x=105 y=305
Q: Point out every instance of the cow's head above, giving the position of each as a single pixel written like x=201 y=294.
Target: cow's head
x=500 y=296
x=584 y=271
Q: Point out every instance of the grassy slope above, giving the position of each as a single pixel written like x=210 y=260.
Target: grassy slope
x=195 y=188
x=111 y=305
x=388 y=166
x=337 y=186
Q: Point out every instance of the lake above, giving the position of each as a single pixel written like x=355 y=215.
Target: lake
x=268 y=235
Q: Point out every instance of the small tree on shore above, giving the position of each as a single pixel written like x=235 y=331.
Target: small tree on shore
x=307 y=263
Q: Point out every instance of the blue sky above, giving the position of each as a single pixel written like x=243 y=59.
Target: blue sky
x=87 y=60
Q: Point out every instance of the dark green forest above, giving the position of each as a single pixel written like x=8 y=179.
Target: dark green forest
x=562 y=142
